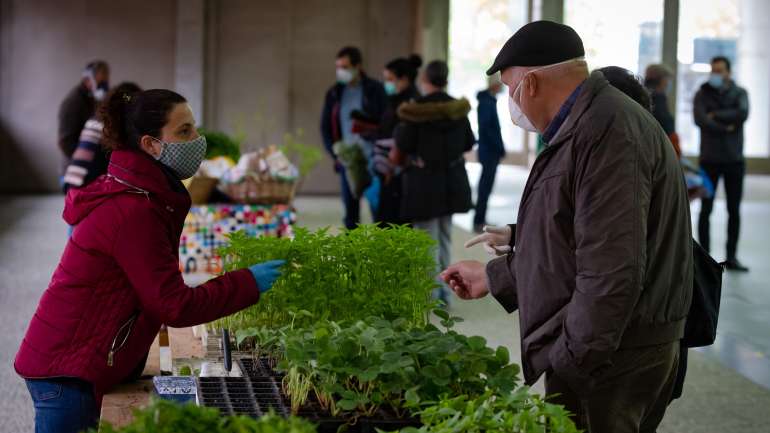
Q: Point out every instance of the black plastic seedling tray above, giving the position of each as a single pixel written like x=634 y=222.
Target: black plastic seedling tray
x=259 y=391
x=253 y=396
x=258 y=368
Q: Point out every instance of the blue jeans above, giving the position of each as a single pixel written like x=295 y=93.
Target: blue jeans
x=63 y=405
x=440 y=230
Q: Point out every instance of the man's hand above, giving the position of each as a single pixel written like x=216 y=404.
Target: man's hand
x=496 y=240
x=468 y=279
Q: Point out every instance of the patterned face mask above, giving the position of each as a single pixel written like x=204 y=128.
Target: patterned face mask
x=183 y=158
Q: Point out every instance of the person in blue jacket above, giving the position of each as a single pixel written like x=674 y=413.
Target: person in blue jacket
x=352 y=100
x=491 y=149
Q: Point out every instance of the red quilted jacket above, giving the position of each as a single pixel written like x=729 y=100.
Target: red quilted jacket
x=118 y=279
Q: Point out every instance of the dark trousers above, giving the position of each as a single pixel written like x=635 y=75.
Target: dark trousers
x=486 y=182
x=389 y=211
x=352 y=205
x=630 y=396
x=733 y=174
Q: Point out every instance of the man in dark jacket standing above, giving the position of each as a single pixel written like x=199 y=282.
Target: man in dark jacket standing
x=79 y=106
x=354 y=92
x=490 y=150
x=601 y=269
x=720 y=109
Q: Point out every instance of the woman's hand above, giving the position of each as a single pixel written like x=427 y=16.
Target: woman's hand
x=266 y=273
x=468 y=279
x=496 y=240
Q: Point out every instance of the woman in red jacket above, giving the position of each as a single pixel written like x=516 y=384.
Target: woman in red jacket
x=118 y=279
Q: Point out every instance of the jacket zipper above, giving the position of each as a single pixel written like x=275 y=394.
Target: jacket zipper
x=115 y=346
x=137 y=190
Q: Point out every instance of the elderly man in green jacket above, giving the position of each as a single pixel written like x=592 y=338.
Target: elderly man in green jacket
x=601 y=266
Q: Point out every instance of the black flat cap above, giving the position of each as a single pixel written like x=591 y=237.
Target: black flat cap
x=539 y=43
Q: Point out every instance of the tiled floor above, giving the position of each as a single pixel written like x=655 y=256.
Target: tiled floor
x=727 y=388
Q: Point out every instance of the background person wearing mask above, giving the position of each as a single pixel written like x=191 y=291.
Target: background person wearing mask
x=431 y=141
x=118 y=279
x=90 y=159
x=399 y=80
x=491 y=149
x=353 y=92
x=657 y=80
x=720 y=109
x=80 y=105
x=601 y=269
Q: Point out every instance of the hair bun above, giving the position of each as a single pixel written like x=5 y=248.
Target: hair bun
x=415 y=60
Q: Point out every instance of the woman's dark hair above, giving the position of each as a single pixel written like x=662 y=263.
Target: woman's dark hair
x=127 y=88
x=437 y=73
x=127 y=116
x=405 y=67
x=628 y=83
x=352 y=53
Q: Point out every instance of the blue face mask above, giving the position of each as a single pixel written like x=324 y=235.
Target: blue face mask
x=390 y=88
x=716 y=81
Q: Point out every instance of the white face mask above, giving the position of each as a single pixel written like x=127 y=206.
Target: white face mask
x=345 y=76
x=517 y=116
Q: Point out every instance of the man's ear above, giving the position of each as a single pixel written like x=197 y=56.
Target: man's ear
x=530 y=81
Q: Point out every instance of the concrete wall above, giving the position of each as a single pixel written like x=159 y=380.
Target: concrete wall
x=257 y=67
x=275 y=60
x=44 y=45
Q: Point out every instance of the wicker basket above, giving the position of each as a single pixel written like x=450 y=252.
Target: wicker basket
x=253 y=191
x=200 y=188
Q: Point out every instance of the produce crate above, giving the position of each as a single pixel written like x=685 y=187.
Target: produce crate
x=206 y=227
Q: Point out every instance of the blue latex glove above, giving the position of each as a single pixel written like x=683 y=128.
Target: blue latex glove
x=266 y=273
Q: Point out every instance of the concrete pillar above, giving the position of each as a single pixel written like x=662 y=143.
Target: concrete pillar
x=432 y=24
x=551 y=10
x=752 y=67
x=190 y=54
x=670 y=44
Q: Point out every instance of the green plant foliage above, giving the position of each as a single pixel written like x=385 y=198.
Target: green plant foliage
x=163 y=416
x=520 y=411
x=351 y=155
x=304 y=156
x=367 y=271
x=377 y=363
x=220 y=144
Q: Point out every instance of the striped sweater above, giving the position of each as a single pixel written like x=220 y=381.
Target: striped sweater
x=89 y=160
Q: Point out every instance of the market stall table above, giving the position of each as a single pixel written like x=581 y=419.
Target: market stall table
x=118 y=405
